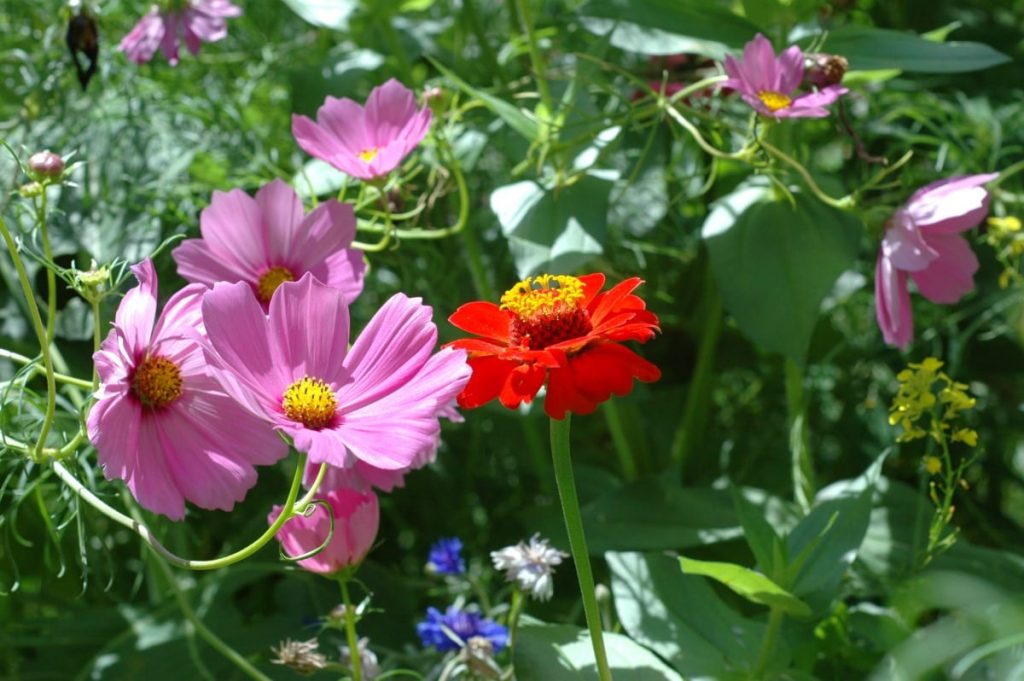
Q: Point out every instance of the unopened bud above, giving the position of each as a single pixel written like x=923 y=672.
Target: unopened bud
x=826 y=69
x=93 y=283
x=45 y=165
x=30 y=190
x=432 y=92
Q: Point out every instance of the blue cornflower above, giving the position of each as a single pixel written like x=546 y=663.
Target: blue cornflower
x=445 y=557
x=462 y=623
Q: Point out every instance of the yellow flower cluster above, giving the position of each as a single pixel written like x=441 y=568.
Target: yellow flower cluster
x=925 y=390
x=1006 y=236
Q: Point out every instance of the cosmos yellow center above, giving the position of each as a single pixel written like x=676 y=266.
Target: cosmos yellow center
x=546 y=310
x=311 y=402
x=157 y=382
x=271 y=279
x=774 y=100
x=367 y=155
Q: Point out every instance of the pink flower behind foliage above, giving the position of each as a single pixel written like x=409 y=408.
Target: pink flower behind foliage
x=923 y=239
x=768 y=83
x=356 y=519
x=200 y=21
x=365 y=143
x=160 y=422
x=268 y=240
x=377 y=403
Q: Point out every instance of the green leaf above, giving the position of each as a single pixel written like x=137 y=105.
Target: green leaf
x=751 y=585
x=514 y=117
x=775 y=262
x=668 y=26
x=869 y=48
x=561 y=652
x=553 y=230
x=681 y=618
x=326 y=13
x=761 y=537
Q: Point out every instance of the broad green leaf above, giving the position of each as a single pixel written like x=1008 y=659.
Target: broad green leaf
x=326 y=13
x=561 y=652
x=549 y=230
x=515 y=118
x=775 y=262
x=874 y=48
x=753 y=586
x=681 y=618
x=668 y=26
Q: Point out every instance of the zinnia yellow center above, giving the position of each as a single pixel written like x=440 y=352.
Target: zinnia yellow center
x=546 y=310
x=157 y=381
x=774 y=100
x=311 y=402
x=367 y=155
x=271 y=279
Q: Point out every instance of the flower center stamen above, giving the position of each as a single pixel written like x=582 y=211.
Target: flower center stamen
x=367 y=155
x=157 y=382
x=311 y=402
x=774 y=100
x=546 y=310
x=271 y=279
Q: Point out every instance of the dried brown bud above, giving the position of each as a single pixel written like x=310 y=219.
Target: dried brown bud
x=826 y=69
x=301 y=656
x=45 y=165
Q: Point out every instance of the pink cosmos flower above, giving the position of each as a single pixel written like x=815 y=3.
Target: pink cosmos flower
x=768 y=83
x=365 y=143
x=267 y=240
x=197 y=22
x=377 y=403
x=923 y=238
x=356 y=519
x=160 y=422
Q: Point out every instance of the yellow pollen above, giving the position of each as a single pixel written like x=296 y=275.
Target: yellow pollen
x=271 y=279
x=367 y=155
x=157 y=382
x=774 y=100
x=311 y=402
x=543 y=294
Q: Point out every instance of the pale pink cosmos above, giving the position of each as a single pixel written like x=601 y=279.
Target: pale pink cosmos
x=356 y=519
x=769 y=83
x=161 y=423
x=268 y=239
x=365 y=143
x=197 y=21
x=376 y=403
x=923 y=239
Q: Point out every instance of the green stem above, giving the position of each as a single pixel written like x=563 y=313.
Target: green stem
x=845 y=203
x=535 y=57
x=289 y=509
x=481 y=282
x=698 y=397
x=350 y=630
x=63 y=378
x=513 y=617
x=627 y=459
x=768 y=643
x=41 y=335
x=577 y=539
x=473 y=19
x=801 y=465
x=51 y=319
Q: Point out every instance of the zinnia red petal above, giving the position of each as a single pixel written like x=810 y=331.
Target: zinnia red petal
x=609 y=368
x=564 y=396
x=522 y=385
x=489 y=377
x=592 y=285
x=476 y=347
x=483 y=319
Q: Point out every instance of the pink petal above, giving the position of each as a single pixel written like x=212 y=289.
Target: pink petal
x=952 y=205
x=236 y=232
x=149 y=479
x=137 y=310
x=321 y=446
x=759 y=66
x=309 y=328
x=892 y=303
x=791 y=69
x=389 y=109
x=282 y=214
x=182 y=315
x=113 y=427
x=950 y=276
x=344 y=270
x=905 y=246
x=198 y=263
x=169 y=41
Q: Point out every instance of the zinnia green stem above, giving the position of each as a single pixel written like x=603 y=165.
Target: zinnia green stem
x=768 y=643
x=801 y=464
x=577 y=540
x=350 y=629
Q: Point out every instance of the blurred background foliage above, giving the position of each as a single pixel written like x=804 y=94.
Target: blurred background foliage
x=82 y=599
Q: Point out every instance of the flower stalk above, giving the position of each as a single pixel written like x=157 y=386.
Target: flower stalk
x=350 y=627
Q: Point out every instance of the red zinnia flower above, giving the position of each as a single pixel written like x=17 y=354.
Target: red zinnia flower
x=560 y=327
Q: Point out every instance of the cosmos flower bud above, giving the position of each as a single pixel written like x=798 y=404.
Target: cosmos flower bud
x=45 y=165
x=826 y=69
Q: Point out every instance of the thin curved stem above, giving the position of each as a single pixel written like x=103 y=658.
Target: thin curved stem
x=741 y=155
x=562 y=458
x=63 y=378
x=535 y=57
x=287 y=511
x=845 y=203
x=350 y=630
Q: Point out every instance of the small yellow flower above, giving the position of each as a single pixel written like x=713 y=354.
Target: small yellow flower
x=932 y=464
x=1004 y=226
x=968 y=436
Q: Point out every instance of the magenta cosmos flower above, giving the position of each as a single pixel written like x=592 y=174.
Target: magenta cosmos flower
x=356 y=519
x=923 y=239
x=194 y=21
x=161 y=423
x=377 y=403
x=768 y=83
x=365 y=143
x=268 y=239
